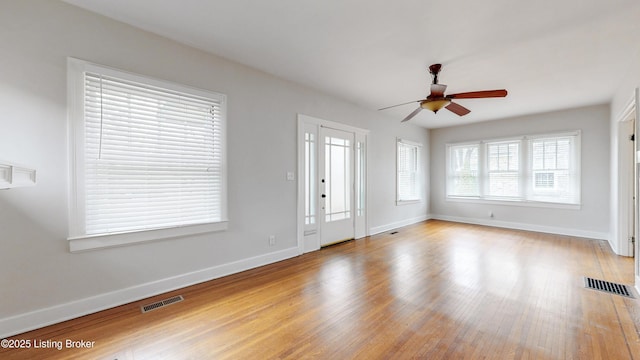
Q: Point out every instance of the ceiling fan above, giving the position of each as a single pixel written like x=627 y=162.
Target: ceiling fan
x=438 y=100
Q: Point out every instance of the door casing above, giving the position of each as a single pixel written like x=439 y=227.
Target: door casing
x=309 y=235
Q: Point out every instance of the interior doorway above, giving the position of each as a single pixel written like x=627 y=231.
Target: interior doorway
x=636 y=155
x=627 y=186
x=629 y=183
x=632 y=177
x=626 y=232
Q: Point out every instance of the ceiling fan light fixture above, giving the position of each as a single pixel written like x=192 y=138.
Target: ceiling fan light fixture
x=434 y=105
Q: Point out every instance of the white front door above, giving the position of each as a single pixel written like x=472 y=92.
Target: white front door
x=336 y=186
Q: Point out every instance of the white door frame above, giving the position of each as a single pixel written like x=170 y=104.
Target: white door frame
x=636 y=266
x=626 y=183
x=308 y=236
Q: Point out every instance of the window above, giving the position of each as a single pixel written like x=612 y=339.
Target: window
x=361 y=176
x=463 y=170
x=553 y=176
x=148 y=156
x=503 y=170
x=310 y=178
x=408 y=181
x=529 y=169
x=338 y=155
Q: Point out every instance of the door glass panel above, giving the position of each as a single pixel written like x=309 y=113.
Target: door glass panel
x=309 y=179
x=337 y=177
x=360 y=176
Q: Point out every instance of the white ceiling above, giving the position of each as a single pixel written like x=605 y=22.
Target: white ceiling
x=549 y=54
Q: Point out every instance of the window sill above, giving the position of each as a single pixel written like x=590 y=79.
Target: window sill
x=524 y=203
x=95 y=242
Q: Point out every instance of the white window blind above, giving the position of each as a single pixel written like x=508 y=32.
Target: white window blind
x=408 y=184
x=462 y=179
x=503 y=171
x=152 y=157
x=149 y=155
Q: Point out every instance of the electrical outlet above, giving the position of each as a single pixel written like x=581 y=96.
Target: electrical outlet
x=272 y=240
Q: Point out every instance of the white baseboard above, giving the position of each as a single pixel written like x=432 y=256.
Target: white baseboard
x=397 y=224
x=36 y=319
x=613 y=245
x=528 y=227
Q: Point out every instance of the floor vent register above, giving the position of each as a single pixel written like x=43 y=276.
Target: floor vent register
x=161 y=303
x=608 y=287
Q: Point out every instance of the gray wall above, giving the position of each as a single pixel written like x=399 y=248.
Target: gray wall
x=41 y=281
x=592 y=220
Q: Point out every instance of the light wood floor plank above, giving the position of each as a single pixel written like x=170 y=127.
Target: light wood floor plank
x=435 y=290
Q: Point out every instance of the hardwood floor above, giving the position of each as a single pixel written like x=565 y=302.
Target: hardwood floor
x=434 y=290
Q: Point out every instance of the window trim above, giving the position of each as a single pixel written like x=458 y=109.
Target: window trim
x=419 y=170
x=78 y=239
x=525 y=172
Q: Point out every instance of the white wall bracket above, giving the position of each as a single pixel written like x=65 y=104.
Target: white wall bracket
x=12 y=175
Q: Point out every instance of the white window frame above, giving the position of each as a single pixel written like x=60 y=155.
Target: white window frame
x=525 y=197
x=417 y=184
x=78 y=238
x=450 y=170
x=574 y=159
x=487 y=172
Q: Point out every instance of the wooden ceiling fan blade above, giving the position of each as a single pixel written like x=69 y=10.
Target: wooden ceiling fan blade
x=479 y=94
x=414 y=113
x=392 y=106
x=457 y=109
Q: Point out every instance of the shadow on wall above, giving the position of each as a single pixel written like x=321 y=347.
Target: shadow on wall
x=27 y=249
x=38 y=271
